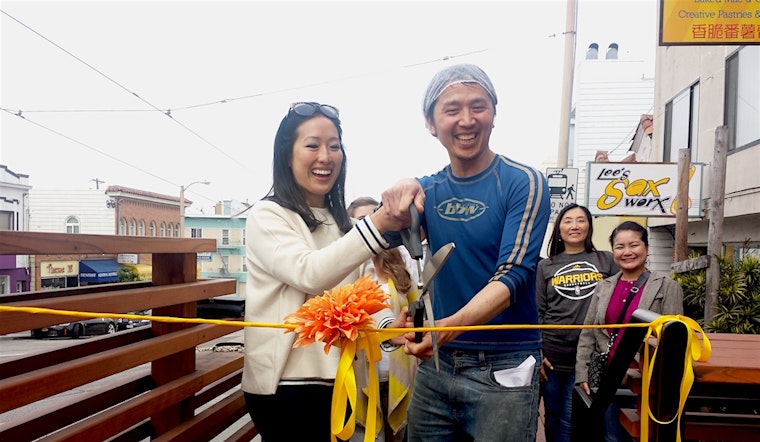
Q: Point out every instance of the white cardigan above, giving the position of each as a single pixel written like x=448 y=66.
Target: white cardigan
x=286 y=265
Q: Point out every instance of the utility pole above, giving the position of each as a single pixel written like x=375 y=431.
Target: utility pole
x=97 y=183
x=182 y=205
x=571 y=21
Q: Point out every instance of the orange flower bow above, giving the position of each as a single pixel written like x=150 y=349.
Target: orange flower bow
x=337 y=314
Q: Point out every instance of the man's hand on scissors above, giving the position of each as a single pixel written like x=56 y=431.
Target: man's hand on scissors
x=424 y=349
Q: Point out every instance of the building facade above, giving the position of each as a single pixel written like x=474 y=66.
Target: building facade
x=227 y=227
x=14 y=210
x=117 y=210
x=700 y=88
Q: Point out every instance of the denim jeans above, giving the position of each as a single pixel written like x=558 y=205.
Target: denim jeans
x=557 y=392
x=464 y=402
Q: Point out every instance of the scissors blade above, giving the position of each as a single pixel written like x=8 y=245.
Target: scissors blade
x=434 y=264
x=431 y=323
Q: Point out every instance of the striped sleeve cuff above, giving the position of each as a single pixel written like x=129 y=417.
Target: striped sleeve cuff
x=371 y=236
x=387 y=346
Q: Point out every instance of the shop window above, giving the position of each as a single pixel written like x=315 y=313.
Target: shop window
x=742 y=116
x=72 y=224
x=4 y=284
x=681 y=124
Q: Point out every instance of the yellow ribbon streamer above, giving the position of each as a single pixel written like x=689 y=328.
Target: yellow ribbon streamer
x=695 y=351
x=344 y=389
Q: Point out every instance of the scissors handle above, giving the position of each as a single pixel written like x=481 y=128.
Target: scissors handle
x=417 y=312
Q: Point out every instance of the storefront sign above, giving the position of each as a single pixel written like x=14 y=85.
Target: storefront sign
x=51 y=269
x=126 y=258
x=709 y=22
x=640 y=189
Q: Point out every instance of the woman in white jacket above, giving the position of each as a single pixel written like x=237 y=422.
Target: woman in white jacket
x=300 y=242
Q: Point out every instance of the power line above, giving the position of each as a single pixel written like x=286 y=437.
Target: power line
x=94 y=149
x=151 y=105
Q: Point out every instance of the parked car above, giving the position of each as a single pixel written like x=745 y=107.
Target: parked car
x=128 y=324
x=85 y=327
x=226 y=306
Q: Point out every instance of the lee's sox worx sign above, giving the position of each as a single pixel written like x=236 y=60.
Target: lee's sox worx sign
x=640 y=189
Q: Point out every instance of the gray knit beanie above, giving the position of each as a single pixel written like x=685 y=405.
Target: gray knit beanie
x=458 y=73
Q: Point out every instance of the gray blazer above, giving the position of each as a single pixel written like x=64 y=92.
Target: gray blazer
x=661 y=295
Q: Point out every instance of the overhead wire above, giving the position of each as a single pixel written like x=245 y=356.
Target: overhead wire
x=151 y=105
x=168 y=112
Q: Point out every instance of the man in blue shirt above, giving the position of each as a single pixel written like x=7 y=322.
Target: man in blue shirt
x=496 y=212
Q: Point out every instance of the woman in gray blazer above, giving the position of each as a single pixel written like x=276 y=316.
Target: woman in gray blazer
x=659 y=293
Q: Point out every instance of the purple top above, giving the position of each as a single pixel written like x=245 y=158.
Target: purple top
x=615 y=307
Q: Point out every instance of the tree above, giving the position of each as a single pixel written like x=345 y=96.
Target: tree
x=738 y=295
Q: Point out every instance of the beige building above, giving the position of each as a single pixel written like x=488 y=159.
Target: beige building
x=698 y=89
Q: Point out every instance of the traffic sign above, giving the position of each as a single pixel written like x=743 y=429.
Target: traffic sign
x=563 y=184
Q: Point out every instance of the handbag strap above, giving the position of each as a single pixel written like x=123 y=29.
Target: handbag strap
x=635 y=289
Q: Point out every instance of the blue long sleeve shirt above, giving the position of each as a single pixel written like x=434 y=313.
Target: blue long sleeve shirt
x=497 y=219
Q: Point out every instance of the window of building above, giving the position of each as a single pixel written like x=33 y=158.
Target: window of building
x=742 y=116
x=225 y=264
x=226 y=237
x=176 y=230
x=141 y=228
x=196 y=233
x=6 y=220
x=163 y=229
x=122 y=226
x=592 y=53
x=612 y=52
x=132 y=227
x=152 y=228
x=72 y=224
x=681 y=124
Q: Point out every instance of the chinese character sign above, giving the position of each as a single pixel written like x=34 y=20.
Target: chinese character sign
x=705 y=22
x=640 y=189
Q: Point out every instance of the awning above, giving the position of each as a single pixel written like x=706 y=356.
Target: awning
x=99 y=270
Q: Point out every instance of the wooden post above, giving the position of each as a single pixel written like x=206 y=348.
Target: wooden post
x=682 y=206
x=715 y=231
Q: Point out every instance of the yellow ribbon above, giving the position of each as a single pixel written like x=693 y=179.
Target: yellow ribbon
x=344 y=389
x=695 y=351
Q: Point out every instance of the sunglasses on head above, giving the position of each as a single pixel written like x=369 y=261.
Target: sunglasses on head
x=307 y=109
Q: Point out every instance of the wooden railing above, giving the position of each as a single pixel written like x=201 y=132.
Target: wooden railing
x=171 y=391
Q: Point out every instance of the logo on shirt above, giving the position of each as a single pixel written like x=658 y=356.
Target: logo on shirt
x=577 y=280
x=460 y=209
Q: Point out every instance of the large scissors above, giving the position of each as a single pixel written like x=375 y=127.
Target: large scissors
x=422 y=308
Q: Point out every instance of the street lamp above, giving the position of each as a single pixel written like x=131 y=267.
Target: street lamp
x=182 y=205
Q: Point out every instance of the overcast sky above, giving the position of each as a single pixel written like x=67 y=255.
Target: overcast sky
x=156 y=95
